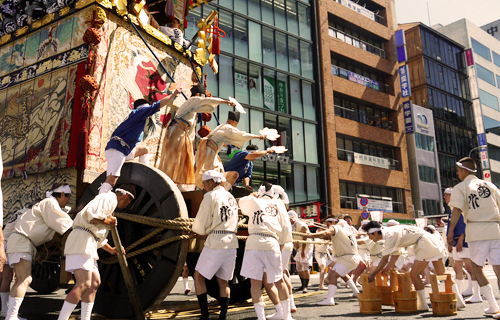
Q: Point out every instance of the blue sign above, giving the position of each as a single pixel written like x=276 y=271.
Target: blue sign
x=365 y=214
x=363 y=201
x=401 y=45
x=482 y=139
x=404 y=78
x=367 y=82
x=408 y=117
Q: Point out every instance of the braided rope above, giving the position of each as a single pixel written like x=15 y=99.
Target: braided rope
x=183 y=224
x=114 y=259
x=143 y=239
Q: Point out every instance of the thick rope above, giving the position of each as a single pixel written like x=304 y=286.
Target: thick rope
x=114 y=259
x=183 y=224
x=144 y=239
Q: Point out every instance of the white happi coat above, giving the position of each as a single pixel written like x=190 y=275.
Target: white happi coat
x=266 y=216
x=218 y=211
x=479 y=201
x=83 y=242
x=426 y=245
x=298 y=226
x=345 y=247
x=38 y=226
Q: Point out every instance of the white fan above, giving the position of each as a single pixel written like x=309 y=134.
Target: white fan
x=279 y=149
x=271 y=134
x=238 y=106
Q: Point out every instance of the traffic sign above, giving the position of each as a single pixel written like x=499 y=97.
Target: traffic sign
x=365 y=214
x=363 y=202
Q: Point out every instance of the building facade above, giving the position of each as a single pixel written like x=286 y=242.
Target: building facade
x=484 y=80
x=439 y=82
x=267 y=63
x=365 y=145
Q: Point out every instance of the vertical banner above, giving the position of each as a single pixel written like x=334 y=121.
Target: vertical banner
x=269 y=93
x=404 y=78
x=282 y=93
x=408 y=117
x=240 y=84
x=469 y=57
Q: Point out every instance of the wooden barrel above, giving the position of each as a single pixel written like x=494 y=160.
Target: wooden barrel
x=369 y=305
x=386 y=291
x=405 y=304
x=445 y=305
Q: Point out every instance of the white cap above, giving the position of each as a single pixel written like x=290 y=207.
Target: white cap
x=392 y=222
x=431 y=227
x=448 y=190
x=64 y=188
x=293 y=215
x=213 y=175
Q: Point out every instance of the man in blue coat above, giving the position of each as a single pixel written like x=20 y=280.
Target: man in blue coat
x=123 y=146
x=242 y=164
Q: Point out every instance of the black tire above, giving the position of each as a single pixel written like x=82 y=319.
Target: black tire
x=155 y=272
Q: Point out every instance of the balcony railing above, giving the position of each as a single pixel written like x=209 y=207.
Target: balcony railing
x=363 y=117
x=368 y=160
x=359 y=79
x=373 y=15
x=358 y=43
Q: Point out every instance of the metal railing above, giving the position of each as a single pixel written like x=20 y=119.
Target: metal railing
x=348 y=155
x=358 y=43
x=362 y=117
x=343 y=73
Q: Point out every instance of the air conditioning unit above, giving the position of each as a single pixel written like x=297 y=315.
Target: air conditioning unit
x=419 y=213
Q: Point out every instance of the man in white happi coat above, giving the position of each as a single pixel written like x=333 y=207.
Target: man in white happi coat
x=323 y=254
x=217 y=218
x=268 y=232
x=34 y=228
x=207 y=155
x=427 y=249
x=345 y=246
x=304 y=251
x=479 y=202
x=90 y=231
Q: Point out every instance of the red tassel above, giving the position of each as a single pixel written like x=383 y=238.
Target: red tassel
x=216 y=46
x=81 y=153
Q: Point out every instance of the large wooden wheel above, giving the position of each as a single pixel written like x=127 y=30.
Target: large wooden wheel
x=155 y=272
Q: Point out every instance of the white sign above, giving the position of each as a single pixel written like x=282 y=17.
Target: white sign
x=485 y=164
x=376 y=205
x=359 y=9
x=371 y=160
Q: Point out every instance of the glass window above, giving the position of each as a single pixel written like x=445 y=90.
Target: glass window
x=485 y=74
x=292 y=19
x=212 y=80
x=295 y=97
x=269 y=89
x=498 y=80
x=491 y=125
x=304 y=21
x=308 y=100
x=282 y=93
x=299 y=182
x=294 y=55
x=311 y=143
x=298 y=141
x=226 y=3
x=255 y=86
x=279 y=14
x=254 y=9
x=226 y=24
x=496 y=58
x=481 y=49
x=255 y=33
x=285 y=131
x=267 y=12
x=193 y=18
x=488 y=99
x=268 y=47
x=226 y=81
x=241 y=37
x=282 y=51
x=306 y=59
x=257 y=123
x=241 y=6
x=241 y=81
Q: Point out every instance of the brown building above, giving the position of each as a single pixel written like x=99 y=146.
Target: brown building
x=366 y=153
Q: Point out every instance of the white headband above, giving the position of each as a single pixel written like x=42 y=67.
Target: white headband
x=213 y=175
x=262 y=192
x=279 y=191
x=464 y=167
x=373 y=230
x=293 y=215
x=64 y=188
x=122 y=191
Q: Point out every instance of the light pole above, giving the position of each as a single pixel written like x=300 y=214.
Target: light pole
x=472 y=150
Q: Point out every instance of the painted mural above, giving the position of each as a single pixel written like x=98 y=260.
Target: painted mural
x=127 y=73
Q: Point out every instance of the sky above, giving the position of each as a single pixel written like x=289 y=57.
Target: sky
x=479 y=12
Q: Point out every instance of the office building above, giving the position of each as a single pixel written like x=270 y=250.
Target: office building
x=267 y=64
x=365 y=145
x=484 y=79
x=439 y=82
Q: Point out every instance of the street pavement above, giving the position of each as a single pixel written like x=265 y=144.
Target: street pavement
x=177 y=305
